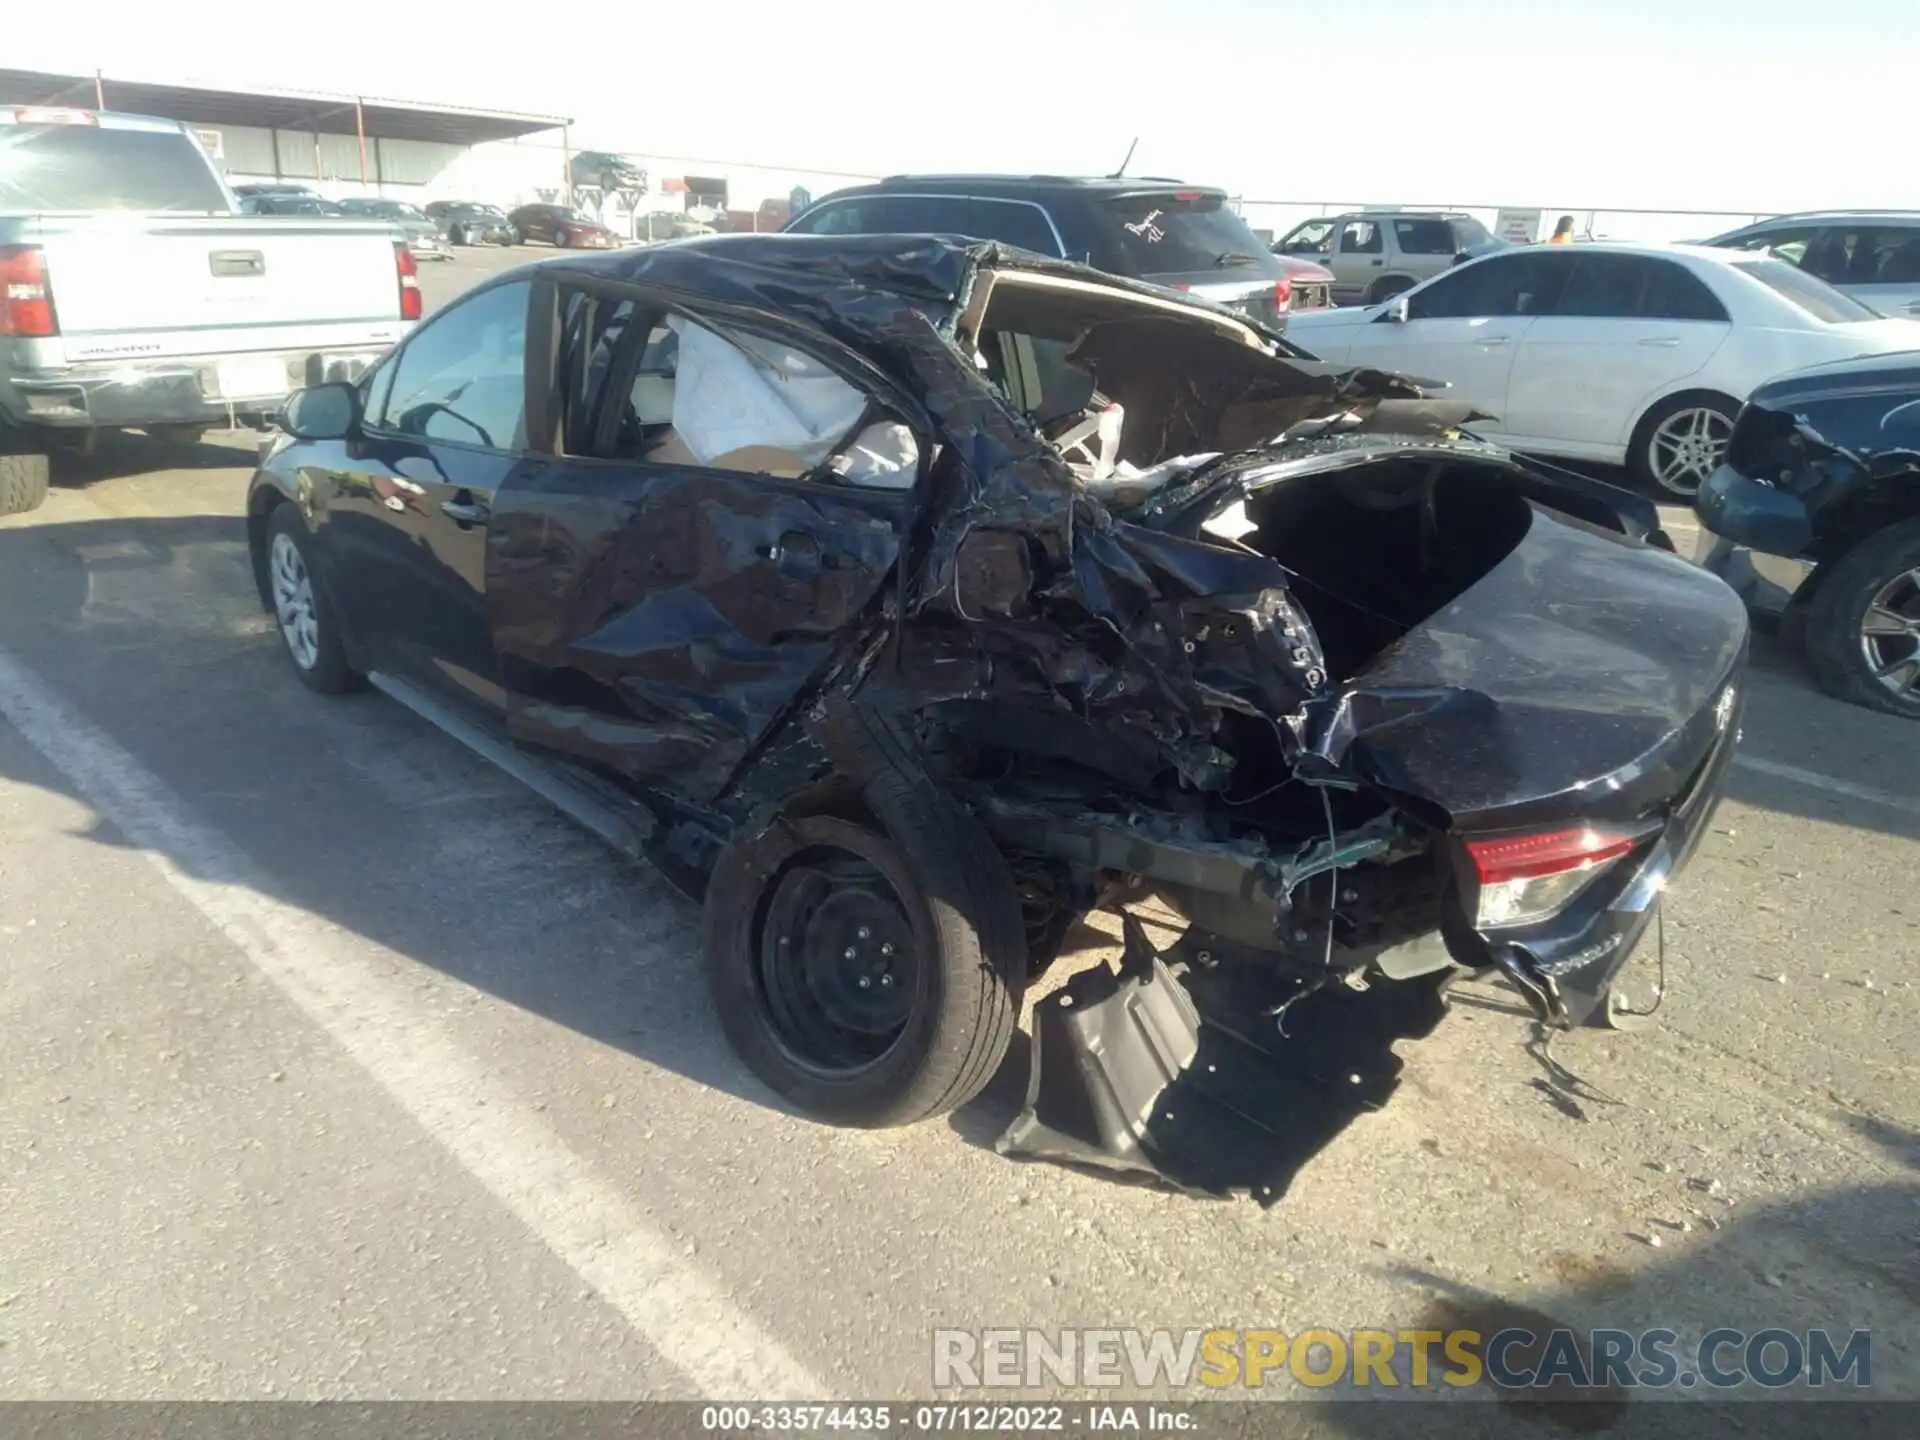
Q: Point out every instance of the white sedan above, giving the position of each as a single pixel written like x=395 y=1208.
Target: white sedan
x=1625 y=354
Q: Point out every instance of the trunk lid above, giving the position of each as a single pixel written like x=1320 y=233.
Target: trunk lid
x=169 y=281
x=1584 y=676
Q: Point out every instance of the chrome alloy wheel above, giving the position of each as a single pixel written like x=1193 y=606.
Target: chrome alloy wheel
x=1890 y=635
x=1687 y=447
x=293 y=602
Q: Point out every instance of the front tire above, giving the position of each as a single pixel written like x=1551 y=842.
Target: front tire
x=870 y=976
x=1681 y=441
x=1861 y=632
x=304 y=616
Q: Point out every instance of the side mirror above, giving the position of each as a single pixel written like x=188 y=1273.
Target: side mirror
x=321 y=412
x=1394 y=312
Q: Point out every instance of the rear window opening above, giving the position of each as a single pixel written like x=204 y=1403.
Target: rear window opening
x=1187 y=232
x=66 y=168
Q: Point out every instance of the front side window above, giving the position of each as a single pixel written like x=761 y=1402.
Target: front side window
x=1313 y=238
x=461 y=378
x=1504 y=285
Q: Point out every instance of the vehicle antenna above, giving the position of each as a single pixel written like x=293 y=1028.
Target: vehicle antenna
x=1129 y=160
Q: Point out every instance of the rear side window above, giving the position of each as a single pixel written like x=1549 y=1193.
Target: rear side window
x=1810 y=293
x=85 y=167
x=1012 y=222
x=1180 y=232
x=1424 y=237
x=1627 y=287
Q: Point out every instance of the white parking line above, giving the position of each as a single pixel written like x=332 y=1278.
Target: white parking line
x=682 y=1313
x=1829 y=782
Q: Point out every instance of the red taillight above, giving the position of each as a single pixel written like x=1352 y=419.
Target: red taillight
x=1552 y=852
x=1183 y=289
x=409 y=268
x=26 y=302
x=1282 y=296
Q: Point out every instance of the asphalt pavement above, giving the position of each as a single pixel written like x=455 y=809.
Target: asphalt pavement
x=337 y=1065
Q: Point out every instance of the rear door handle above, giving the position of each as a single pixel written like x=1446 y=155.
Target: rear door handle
x=1665 y=342
x=1492 y=340
x=465 y=510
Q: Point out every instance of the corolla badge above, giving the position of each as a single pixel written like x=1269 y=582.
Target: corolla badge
x=1723 y=709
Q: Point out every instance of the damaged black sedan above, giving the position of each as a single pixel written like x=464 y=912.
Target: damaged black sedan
x=904 y=601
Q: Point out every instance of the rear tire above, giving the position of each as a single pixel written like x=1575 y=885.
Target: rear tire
x=1877 y=584
x=309 y=628
x=1678 y=442
x=801 y=913
x=23 y=483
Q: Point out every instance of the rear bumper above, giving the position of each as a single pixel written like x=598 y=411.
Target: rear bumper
x=186 y=391
x=1577 y=954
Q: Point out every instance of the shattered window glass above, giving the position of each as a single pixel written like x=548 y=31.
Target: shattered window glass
x=461 y=377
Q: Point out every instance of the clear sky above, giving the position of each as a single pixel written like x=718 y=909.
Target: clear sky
x=1687 y=104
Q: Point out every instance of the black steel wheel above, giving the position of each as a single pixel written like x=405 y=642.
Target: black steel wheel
x=868 y=977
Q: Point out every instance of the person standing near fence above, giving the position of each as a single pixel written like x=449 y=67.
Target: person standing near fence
x=1562 y=231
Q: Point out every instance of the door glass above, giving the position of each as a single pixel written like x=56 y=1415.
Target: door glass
x=860 y=216
x=929 y=215
x=1361 y=237
x=1604 y=287
x=1013 y=223
x=1313 y=238
x=461 y=378
x=1673 y=292
x=1870 y=253
x=1423 y=237
x=1504 y=285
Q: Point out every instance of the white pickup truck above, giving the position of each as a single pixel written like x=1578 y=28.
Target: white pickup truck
x=134 y=294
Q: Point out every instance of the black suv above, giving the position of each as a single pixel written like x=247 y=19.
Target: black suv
x=1158 y=230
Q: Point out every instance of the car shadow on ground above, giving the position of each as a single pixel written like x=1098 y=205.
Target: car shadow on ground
x=119 y=455
x=215 y=668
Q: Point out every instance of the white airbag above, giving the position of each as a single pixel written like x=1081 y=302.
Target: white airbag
x=730 y=395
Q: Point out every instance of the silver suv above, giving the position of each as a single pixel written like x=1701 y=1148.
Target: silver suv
x=1873 y=255
x=1377 y=253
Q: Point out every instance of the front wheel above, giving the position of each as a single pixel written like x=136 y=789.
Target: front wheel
x=869 y=975
x=301 y=610
x=1681 y=441
x=1861 y=631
